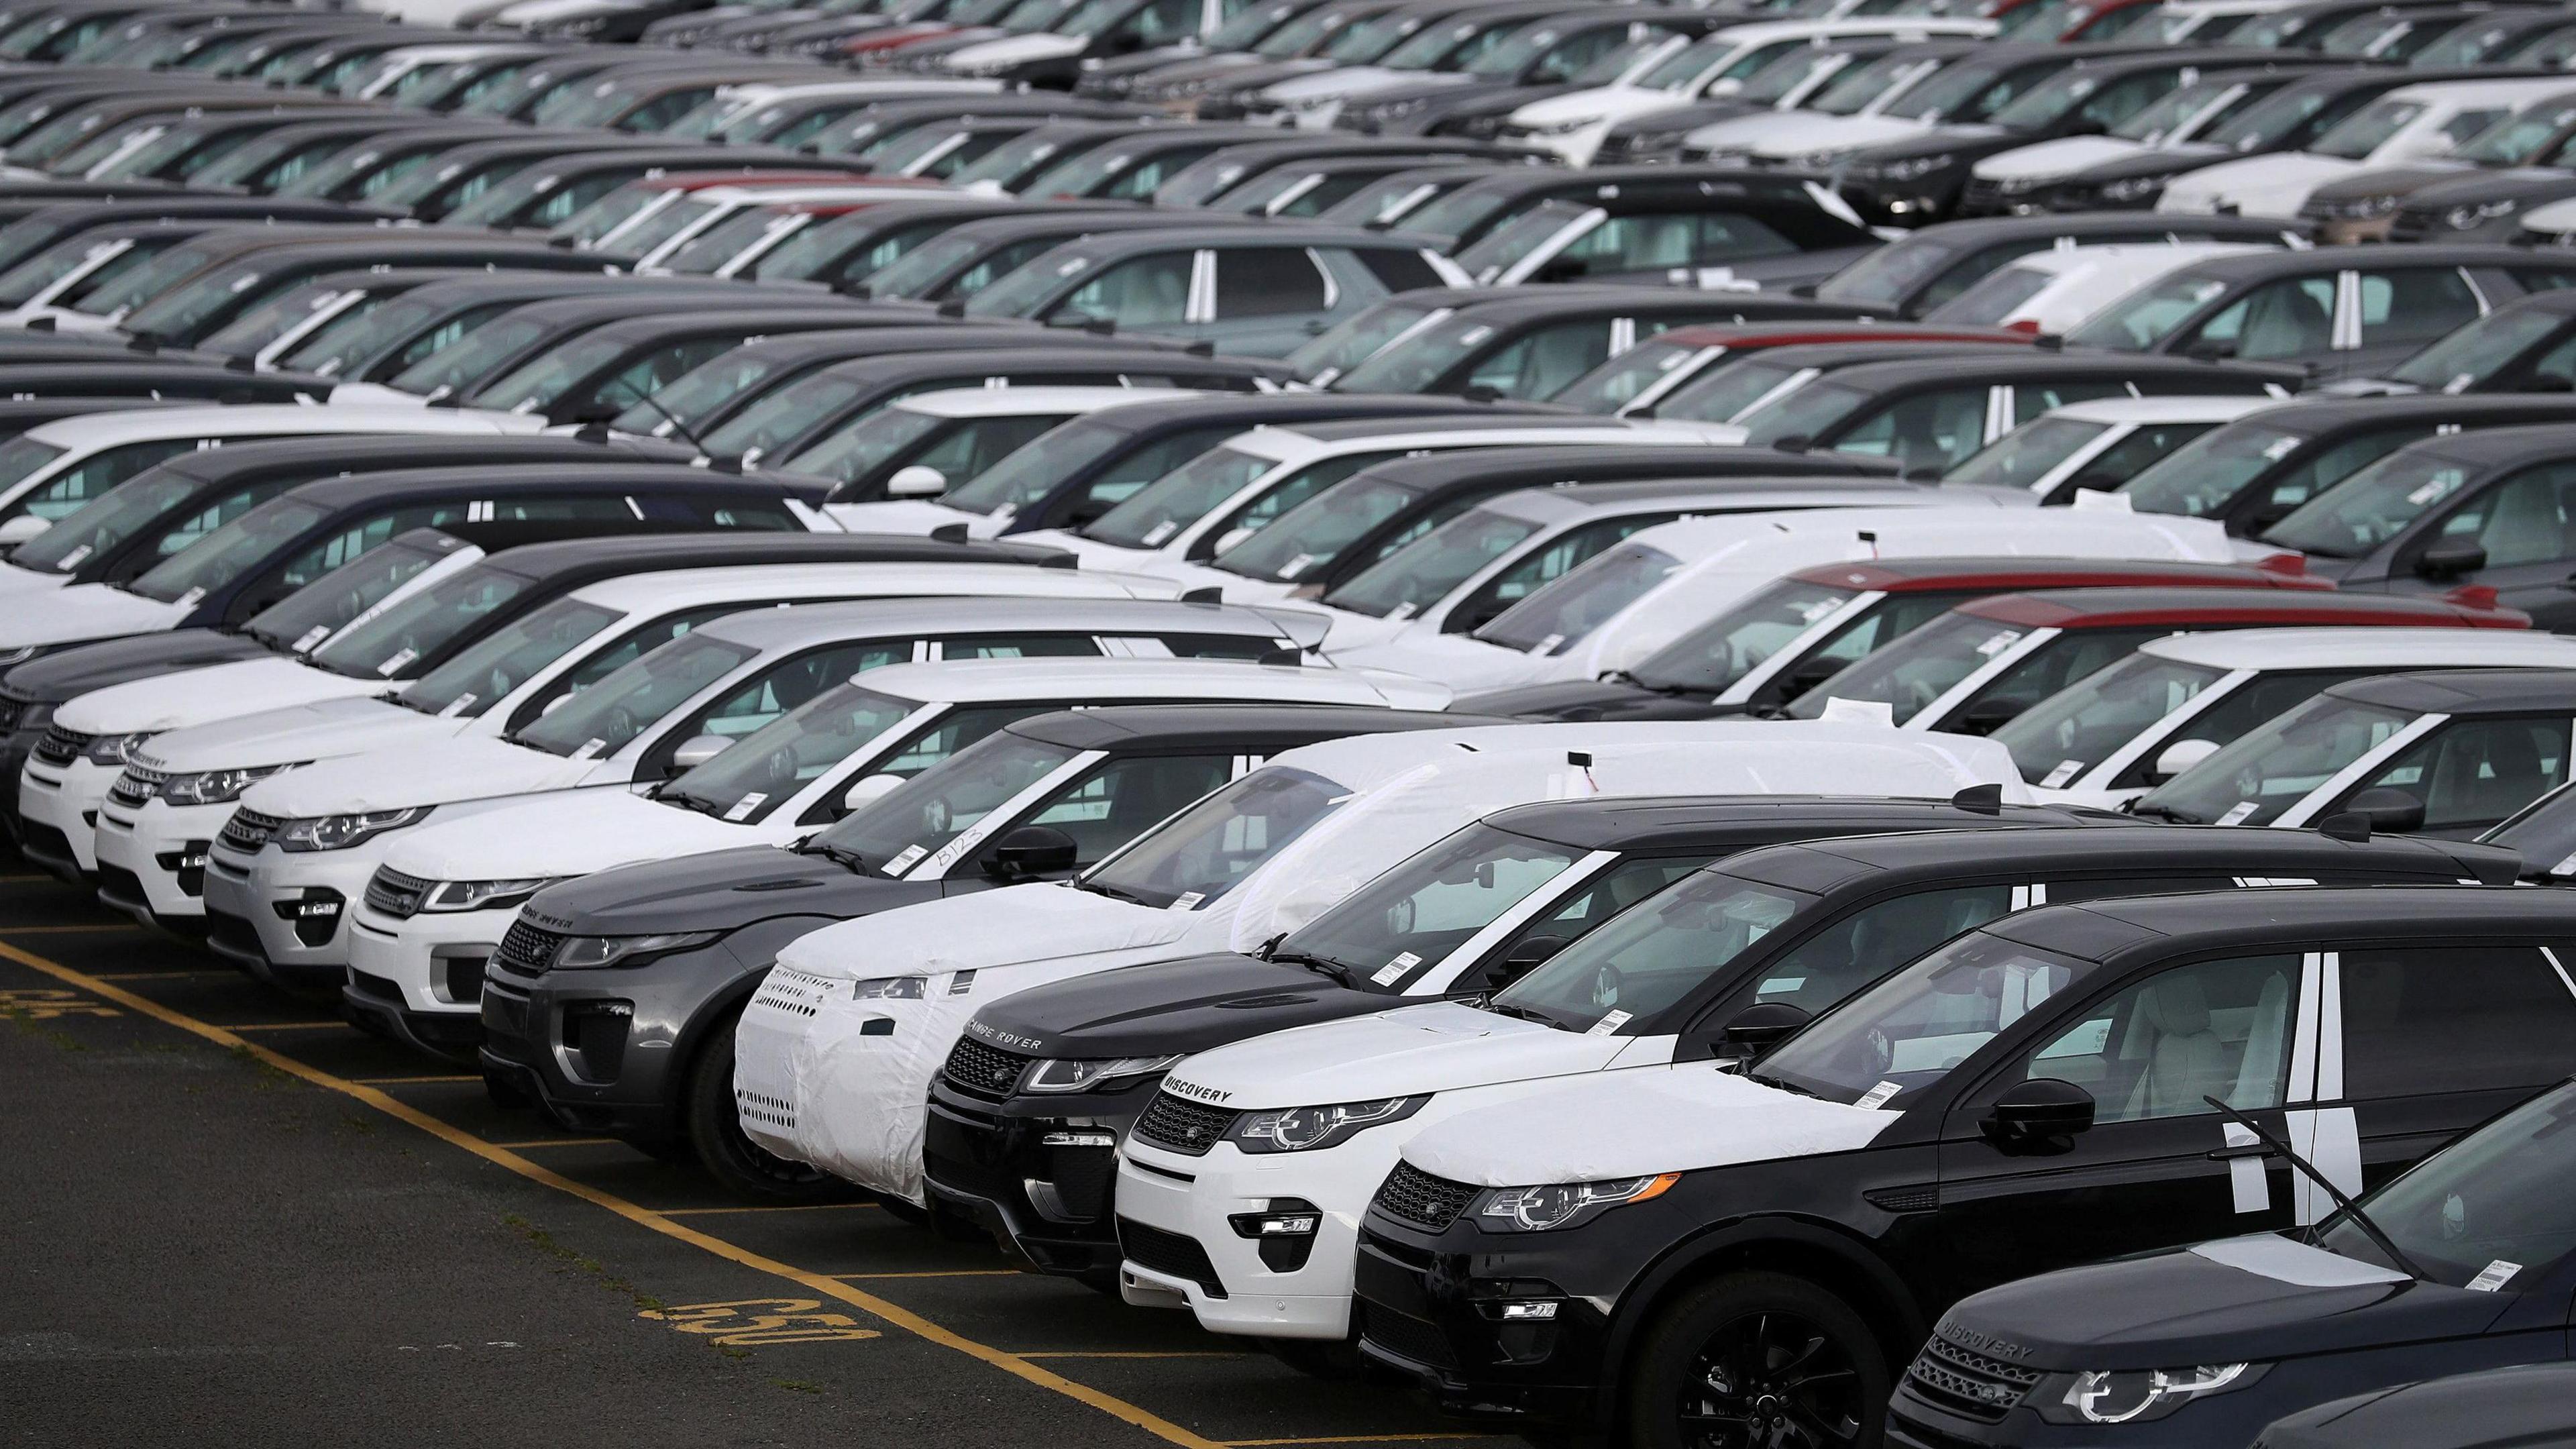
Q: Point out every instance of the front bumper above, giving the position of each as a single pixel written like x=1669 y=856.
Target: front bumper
x=1191 y=1252
x=1886 y=202
x=292 y=909
x=1915 y=1422
x=420 y=979
x=152 y=860
x=604 y=1051
x=1038 y=1173
x=58 y=815
x=1429 y=1307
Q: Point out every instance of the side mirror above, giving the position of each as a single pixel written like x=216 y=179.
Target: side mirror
x=2036 y=1113
x=1758 y=1027
x=2210 y=350
x=2389 y=811
x=867 y=788
x=2451 y=557
x=694 y=751
x=1030 y=850
x=2181 y=755
x=1524 y=958
x=1991 y=714
x=21 y=528
x=1232 y=537
x=916 y=481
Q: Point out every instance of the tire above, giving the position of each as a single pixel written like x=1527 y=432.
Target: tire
x=732 y=1159
x=1757 y=1359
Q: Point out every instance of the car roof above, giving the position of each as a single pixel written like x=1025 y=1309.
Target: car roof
x=2113 y=930
x=1079 y=679
x=504 y=480
x=908 y=364
x=1903 y=575
x=241 y=420
x=1148 y=726
x=2499 y=447
x=1650 y=822
x=1219 y=233
x=2181 y=608
x=1499 y=432
x=218 y=466
x=1544 y=504
x=2315 y=415
x=2011 y=362
x=2285 y=262
x=2376 y=649
x=1986 y=231
x=1826 y=331
x=2466 y=691
x=2218 y=409
x=1011 y=402
x=790 y=628
x=1827 y=865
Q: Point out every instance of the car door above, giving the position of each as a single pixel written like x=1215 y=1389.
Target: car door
x=1109 y=805
x=2292 y=319
x=2158 y=1165
x=1931 y=428
x=1267 y=301
x=2391 y=311
x=2469 y=772
x=2516 y=536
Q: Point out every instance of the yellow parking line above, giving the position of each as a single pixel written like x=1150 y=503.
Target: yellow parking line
x=1205 y=1354
x=950 y=1273
x=659 y=1222
x=389 y=1081
x=19 y=879
x=555 y=1142
x=164 y=975
x=1360 y=1439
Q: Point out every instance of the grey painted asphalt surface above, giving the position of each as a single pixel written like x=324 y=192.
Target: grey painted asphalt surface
x=347 y=1244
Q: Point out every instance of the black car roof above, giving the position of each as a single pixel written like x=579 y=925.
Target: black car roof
x=932 y=363
x=1299 y=410
x=1147 y=726
x=757 y=309
x=503 y=481
x=1616 y=301
x=1000 y=230
x=1651 y=822
x=2260 y=266
x=2216 y=921
x=579 y=559
x=1817 y=867
x=1533 y=465
x=2007 y=363
x=1229 y=231
x=2502 y=447
x=2318 y=415
x=238 y=461
x=2466 y=691
x=1550 y=178
x=1966 y=236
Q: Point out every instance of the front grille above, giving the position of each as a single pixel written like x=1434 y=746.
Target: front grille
x=526 y=950
x=1968 y=1383
x=1981 y=194
x=798 y=993
x=392 y=893
x=10 y=709
x=984 y=1071
x=1406 y=1338
x=137 y=785
x=249 y=830
x=2411 y=226
x=1410 y=1195
x=61 y=746
x=1169 y=1253
x=1183 y=1125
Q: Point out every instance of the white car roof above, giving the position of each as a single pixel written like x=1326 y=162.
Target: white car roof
x=775 y=195
x=1974 y=530
x=1546 y=505
x=2331 y=648
x=2470 y=92
x=2149 y=259
x=1081 y=681
x=108 y=430
x=1287 y=445
x=1757 y=31
x=1012 y=402
x=2140 y=410
x=665 y=591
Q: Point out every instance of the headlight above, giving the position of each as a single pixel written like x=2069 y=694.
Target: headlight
x=19 y=655
x=583 y=953
x=482 y=895
x=1304 y=1129
x=890 y=988
x=1393 y=109
x=117 y=750
x=1559 y=128
x=1066 y=1074
x=215 y=787
x=2468 y=218
x=2132 y=188
x=2016 y=185
x=2362 y=206
x=1912 y=168
x=1562 y=1204
x=2130 y=1396
x=1812 y=161
x=339 y=832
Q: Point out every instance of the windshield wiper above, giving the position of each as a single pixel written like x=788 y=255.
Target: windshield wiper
x=1780 y=1084
x=1115 y=894
x=1524 y=1013
x=1320 y=965
x=2396 y=1256
x=2165 y=813
x=839 y=855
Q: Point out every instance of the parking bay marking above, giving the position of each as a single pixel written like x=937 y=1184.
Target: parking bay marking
x=43 y=1005
x=882 y=1309
x=751 y=1322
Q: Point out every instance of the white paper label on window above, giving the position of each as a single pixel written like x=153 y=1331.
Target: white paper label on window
x=2280 y=448
x=1160 y=531
x=1188 y=900
x=1546 y=644
x=311 y=637
x=2493 y=1276
x=2564 y=867
x=2066 y=770
x=905 y=859
x=189 y=599
x=589 y=748
x=1781 y=983
x=1393 y=971
x=1610 y=1023
x=400 y=658
x=1401 y=611
x=1879 y=1096
x=2429 y=493
x=2247 y=1180
x=1295 y=566
x=2240 y=812
x=462 y=703
x=72 y=560
x=741 y=809
x=2002 y=640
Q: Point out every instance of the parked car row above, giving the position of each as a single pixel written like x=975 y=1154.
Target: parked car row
x=1780 y=724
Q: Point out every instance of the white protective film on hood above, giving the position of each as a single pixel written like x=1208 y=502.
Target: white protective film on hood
x=842 y=1080
x=2270 y=1256
x=89 y=611
x=176 y=701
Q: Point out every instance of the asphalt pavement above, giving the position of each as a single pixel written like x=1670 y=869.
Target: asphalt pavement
x=231 y=1219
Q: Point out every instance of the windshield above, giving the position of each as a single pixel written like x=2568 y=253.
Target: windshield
x=1889 y=275
x=359 y=333
x=1458 y=213
x=2265 y=771
x=547 y=376
x=2021 y=458
x=2199 y=478
x=2171 y=111
x=1872 y=82
x=1994 y=298
x=1354 y=341
x=1421 y=360
x=2479 y=350
x=783 y=414
x=765 y=768
x=1726 y=391
x=1809 y=412
x=1425 y=570
x=1406 y=922
x=1034 y=471
x=1918 y=669
x=604 y=718
x=873 y=441
x=924 y=266
x=728 y=238
x=1964 y=92
x=1572 y=607
x=1178 y=498
x=2147 y=316
x=2372 y=506
x=650 y=232
x=2356 y=136
x=2512 y=141
x=1513 y=241
x=102 y=522
x=612 y=211
x=2264 y=123
x=23 y=457
x=1515 y=51
x=1028 y=287
x=1316 y=531
x=1201 y=853
x=1676 y=71
x=390 y=643
x=152 y=279
x=2544 y=831
x=475 y=356
x=936 y=806
x=1652 y=955
x=2493 y=1201
x=314 y=612
x=21 y=283
x=2058 y=739
x=1910 y=1029
x=2043 y=104
x=223 y=555
x=1711 y=658
x=1627 y=377
x=502 y=660
x=246 y=334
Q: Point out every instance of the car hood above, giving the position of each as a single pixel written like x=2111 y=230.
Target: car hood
x=441 y=772
x=1437 y=1046
x=1455 y=660
x=1339 y=81
x=1014 y=50
x=2233 y=1300
x=88 y=611
x=1049 y=926
x=1588 y=105
x=1793 y=133
x=2276 y=184
x=2472 y=187
x=2046 y=160
x=320 y=729
x=2387 y=180
x=1168 y=1006
x=1572 y=700
x=718 y=891
x=908 y=515
x=573 y=832
x=79 y=670
x=15 y=580
x=203 y=696
x=1635 y=1124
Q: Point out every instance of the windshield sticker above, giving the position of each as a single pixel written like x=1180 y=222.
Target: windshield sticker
x=1401 y=611
x=1188 y=900
x=1610 y=1023
x=310 y=637
x=2280 y=448
x=400 y=658
x=962 y=983
x=72 y=560
x=463 y=703
x=2431 y=492
x=2248 y=1183
x=2564 y=867
x=1547 y=644
x=2240 y=812
x=1393 y=971
x=2002 y=640
x=2493 y=1276
x=189 y=599
x=905 y=859
x=2066 y=770
x=1878 y=1096
x=1295 y=566
x=1781 y=983
x=741 y=809
x=589 y=747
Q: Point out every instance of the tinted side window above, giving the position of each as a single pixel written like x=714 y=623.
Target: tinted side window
x=1867 y=944
x=2293 y=317
x=2466 y=1019
x=2212 y=1029
x=1266 y=282
x=1018 y=646
x=637 y=641
x=1625 y=884
x=343 y=546
x=1149 y=291
x=1540 y=364
x=782 y=687
x=74 y=486
x=1400 y=271
x=1544 y=567
x=2528 y=518
x=2030 y=399
x=2476 y=772
x=1123 y=798
x=2414 y=304
x=1123 y=479
x=2263 y=698
x=2333 y=464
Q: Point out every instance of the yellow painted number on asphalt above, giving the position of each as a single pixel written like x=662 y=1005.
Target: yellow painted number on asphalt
x=761 y=1320
x=46 y=1005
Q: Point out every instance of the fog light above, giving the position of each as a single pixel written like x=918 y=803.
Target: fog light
x=1524 y=1311
x=1079 y=1139
x=1286 y=1231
